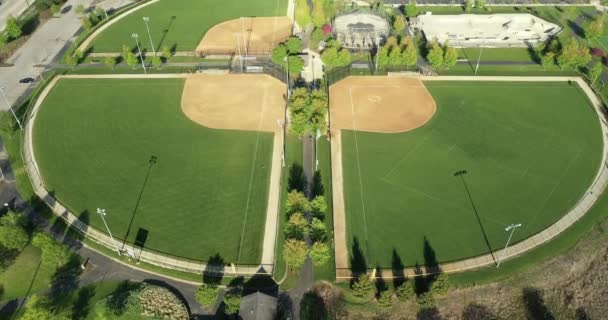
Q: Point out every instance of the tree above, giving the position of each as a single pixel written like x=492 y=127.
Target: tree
x=481 y=4
x=468 y=5
x=547 y=59
x=296 y=202
x=157 y=61
x=319 y=254
x=302 y=13
x=232 y=303
x=128 y=56
x=206 y=295
x=318 y=14
x=382 y=56
x=13 y=29
x=385 y=299
x=394 y=57
x=399 y=24
x=318 y=207
x=166 y=53
x=330 y=56
x=79 y=55
x=391 y=42
x=110 y=61
x=298 y=124
x=440 y=285
x=12 y=232
x=79 y=9
x=35 y=309
x=53 y=253
x=344 y=57
x=362 y=287
x=450 y=56
x=435 y=55
x=410 y=55
x=411 y=10
x=573 y=55
x=594 y=72
x=297 y=227
x=296 y=65
x=55 y=8
x=595 y=28
x=3 y=40
x=318 y=230
x=71 y=61
x=295 y=252
x=405 y=291
x=294 y=45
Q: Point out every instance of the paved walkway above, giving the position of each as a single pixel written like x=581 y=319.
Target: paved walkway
x=584 y=204
x=271 y=225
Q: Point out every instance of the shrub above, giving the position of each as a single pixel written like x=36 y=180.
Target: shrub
x=440 y=285
x=297 y=227
x=318 y=207
x=232 y=302
x=206 y=295
x=425 y=300
x=53 y=253
x=385 y=298
x=142 y=301
x=294 y=252
x=405 y=291
x=362 y=287
x=597 y=52
x=13 y=29
x=319 y=254
x=318 y=230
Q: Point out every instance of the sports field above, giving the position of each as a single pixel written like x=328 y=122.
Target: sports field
x=529 y=150
x=181 y=24
x=207 y=192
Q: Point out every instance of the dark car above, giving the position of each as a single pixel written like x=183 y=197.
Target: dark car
x=26 y=80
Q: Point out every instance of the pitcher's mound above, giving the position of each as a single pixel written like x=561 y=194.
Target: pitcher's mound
x=256 y=36
x=380 y=104
x=235 y=101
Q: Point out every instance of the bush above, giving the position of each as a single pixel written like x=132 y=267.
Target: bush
x=319 y=254
x=206 y=295
x=13 y=29
x=440 y=285
x=597 y=52
x=232 y=303
x=53 y=253
x=297 y=227
x=405 y=291
x=385 y=298
x=425 y=300
x=362 y=287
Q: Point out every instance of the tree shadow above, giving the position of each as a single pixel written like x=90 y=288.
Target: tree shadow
x=398 y=269
x=151 y=162
x=317 y=187
x=358 y=265
x=214 y=271
x=581 y=314
x=380 y=284
x=285 y=306
x=475 y=311
x=576 y=28
x=79 y=234
x=297 y=179
x=117 y=301
x=261 y=283
x=165 y=31
x=9 y=309
x=64 y=280
x=536 y=309
x=431 y=313
x=7 y=257
x=312 y=307
x=81 y=307
x=533 y=53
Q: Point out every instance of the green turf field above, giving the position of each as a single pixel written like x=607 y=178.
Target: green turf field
x=181 y=24
x=530 y=151
x=93 y=139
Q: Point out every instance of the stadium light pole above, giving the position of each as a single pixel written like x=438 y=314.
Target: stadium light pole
x=479 y=58
x=244 y=40
x=238 y=44
x=141 y=57
x=318 y=135
x=511 y=228
x=102 y=213
x=10 y=107
x=146 y=20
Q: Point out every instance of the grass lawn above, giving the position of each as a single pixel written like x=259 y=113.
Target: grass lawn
x=93 y=140
x=181 y=24
x=328 y=271
x=529 y=149
x=25 y=275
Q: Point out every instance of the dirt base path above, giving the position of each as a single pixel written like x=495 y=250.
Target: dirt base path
x=254 y=36
x=596 y=189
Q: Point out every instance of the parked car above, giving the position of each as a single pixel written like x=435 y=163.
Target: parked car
x=26 y=80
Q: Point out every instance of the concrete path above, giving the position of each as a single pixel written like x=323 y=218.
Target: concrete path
x=271 y=225
x=11 y=8
x=584 y=204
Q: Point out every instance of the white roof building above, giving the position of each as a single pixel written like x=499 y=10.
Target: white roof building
x=487 y=30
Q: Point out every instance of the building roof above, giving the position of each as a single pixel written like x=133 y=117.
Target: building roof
x=258 y=306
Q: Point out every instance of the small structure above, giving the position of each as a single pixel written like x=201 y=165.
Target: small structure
x=258 y=306
x=361 y=29
x=492 y=30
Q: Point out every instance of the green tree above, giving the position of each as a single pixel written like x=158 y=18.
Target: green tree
x=318 y=14
x=394 y=57
x=12 y=231
x=279 y=53
x=3 y=40
x=450 y=56
x=344 y=57
x=86 y=22
x=435 y=55
x=385 y=299
x=129 y=58
x=318 y=207
x=55 y=8
x=232 y=303
x=440 y=285
x=411 y=10
x=481 y=4
x=80 y=9
x=319 y=254
x=79 y=55
x=318 y=230
x=362 y=287
x=595 y=28
x=298 y=124
x=71 y=61
x=468 y=5
x=166 y=53
x=330 y=56
x=573 y=55
x=297 y=227
x=391 y=42
x=53 y=253
x=35 y=309
x=110 y=61
x=302 y=13
x=13 y=29
x=157 y=61
x=294 y=45
x=547 y=60
x=206 y=295
x=317 y=111
x=295 y=252
x=296 y=65
x=296 y=202
x=410 y=55
x=382 y=56
x=399 y=24
x=594 y=72
x=405 y=291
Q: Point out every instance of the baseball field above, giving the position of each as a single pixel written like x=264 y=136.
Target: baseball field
x=181 y=24
x=490 y=155
x=141 y=149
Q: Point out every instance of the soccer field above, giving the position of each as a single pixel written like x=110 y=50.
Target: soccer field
x=206 y=194
x=180 y=24
x=529 y=150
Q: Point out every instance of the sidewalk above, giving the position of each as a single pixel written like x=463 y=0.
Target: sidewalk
x=584 y=204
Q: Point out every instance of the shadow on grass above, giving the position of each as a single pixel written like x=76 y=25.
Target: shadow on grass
x=358 y=264
x=317 y=188
x=165 y=31
x=214 y=271
x=65 y=279
x=151 y=162
x=536 y=309
x=297 y=179
x=475 y=311
x=82 y=305
x=398 y=269
x=118 y=299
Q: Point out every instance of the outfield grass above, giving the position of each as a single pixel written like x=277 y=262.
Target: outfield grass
x=93 y=139
x=529 y=149
x=328 y=271
x=180 y=24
